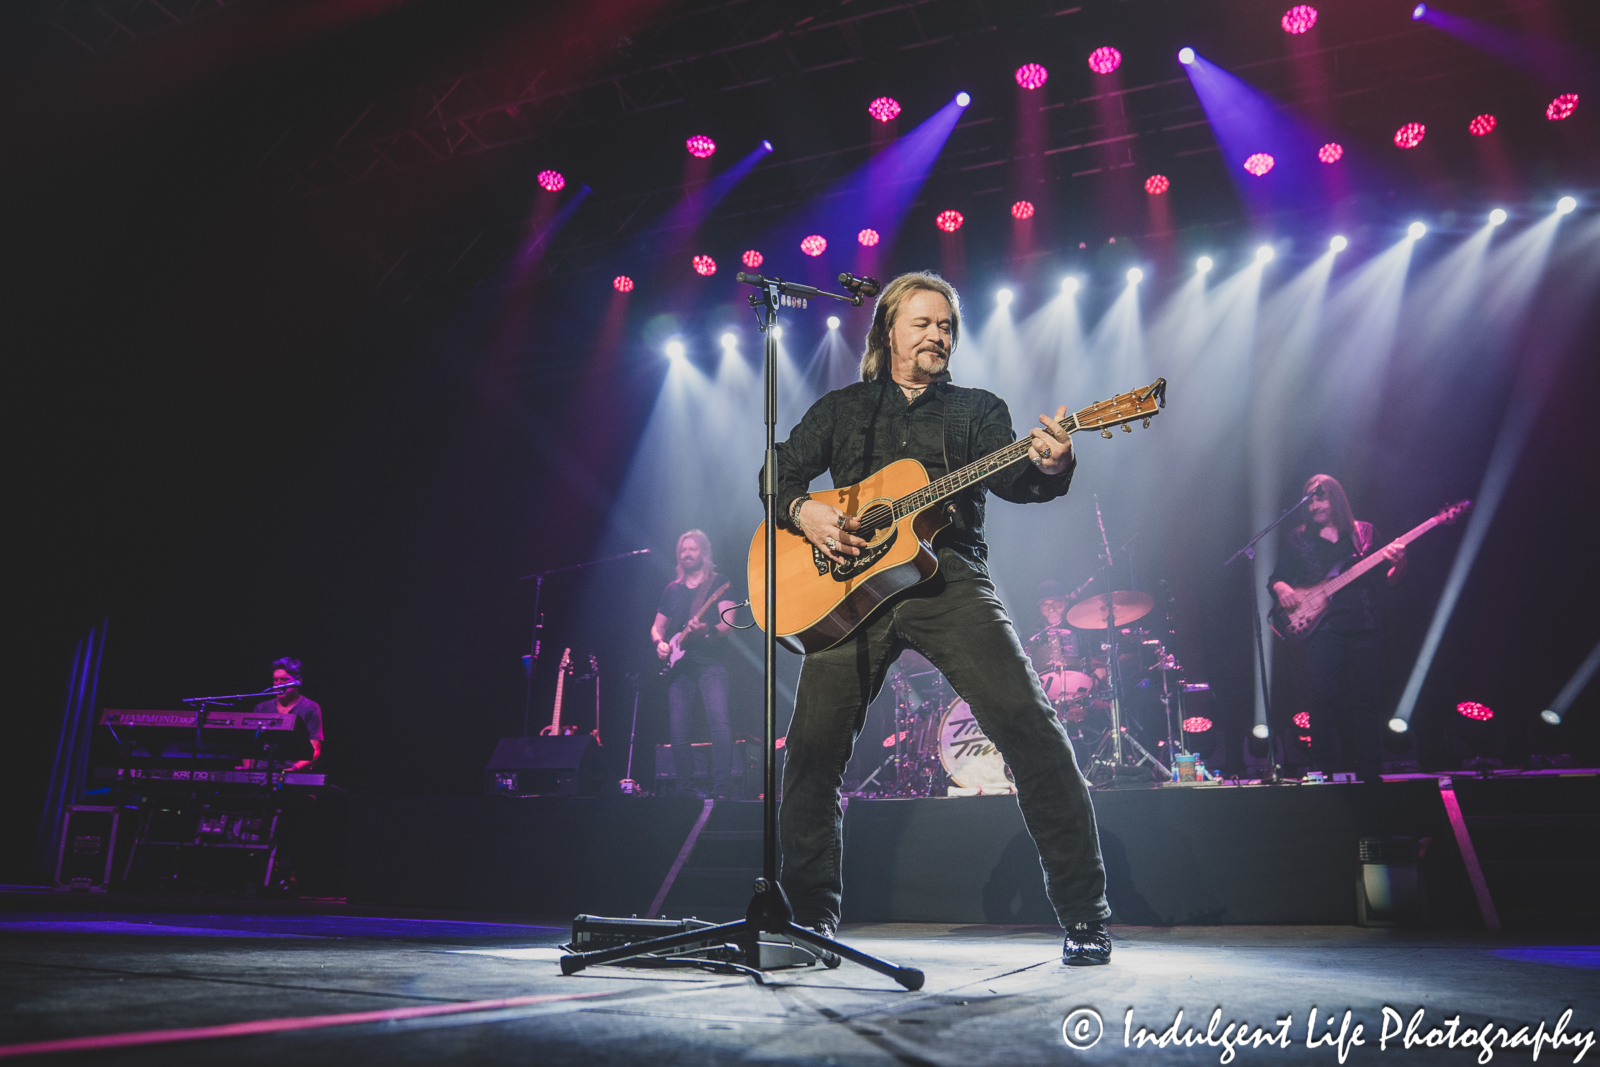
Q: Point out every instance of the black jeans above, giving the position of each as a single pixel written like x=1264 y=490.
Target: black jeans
x=1346 y=677
x=963 y=630
x=711 y=681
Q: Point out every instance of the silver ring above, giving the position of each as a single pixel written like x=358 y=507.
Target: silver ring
x=1046 y=452
x=832 y=544
x=841 y=520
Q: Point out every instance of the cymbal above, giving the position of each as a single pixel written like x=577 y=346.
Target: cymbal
x=1127 y=605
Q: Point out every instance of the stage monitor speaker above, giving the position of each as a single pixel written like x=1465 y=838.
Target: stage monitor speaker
x=546 y=766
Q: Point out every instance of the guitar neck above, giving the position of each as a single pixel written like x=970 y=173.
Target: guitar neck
x=1374 y=558
x=973 y=472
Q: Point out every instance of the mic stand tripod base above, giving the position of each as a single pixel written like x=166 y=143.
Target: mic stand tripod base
x=769 y=913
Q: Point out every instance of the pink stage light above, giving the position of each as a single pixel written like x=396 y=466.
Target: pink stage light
x=1259 y=164
x=622 y=283
x=1410 y=135
x=1031 y=75
x=700 y=146
x=551 y=181
x=1562 y=107
x=1105 y=60
x=868 y=237
x=1157 y=184
x=752 y=259
x=705 y=265
x=1196 y=724
x=1480 y=126
x=949 y=221
x=1475 y=711
x=1022 y=209
x=814 y=245
x=1302 y=719
x=1331 y=152
x=1299 y=19
x=884 y=109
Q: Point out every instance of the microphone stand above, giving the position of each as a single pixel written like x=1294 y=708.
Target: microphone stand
x=202 y=706
x=1248 y=550
x=538 y=622
x=769 y=911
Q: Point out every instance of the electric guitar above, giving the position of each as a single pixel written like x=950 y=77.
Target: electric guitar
x=677 y=652
x=555 y=729
x=821 y=602
x=1302 y=622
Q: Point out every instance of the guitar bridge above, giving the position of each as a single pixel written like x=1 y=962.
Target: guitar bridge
x=843 y=572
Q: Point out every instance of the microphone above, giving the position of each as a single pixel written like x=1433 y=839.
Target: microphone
x=860 y=285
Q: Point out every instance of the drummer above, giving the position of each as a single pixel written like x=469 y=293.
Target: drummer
x=1055 y=649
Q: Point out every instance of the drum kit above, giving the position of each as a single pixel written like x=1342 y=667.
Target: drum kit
x=938 y=749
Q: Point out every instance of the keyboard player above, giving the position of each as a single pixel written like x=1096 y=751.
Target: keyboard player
x=286 y=679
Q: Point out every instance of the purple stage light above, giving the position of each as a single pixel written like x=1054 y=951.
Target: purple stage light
x=1475 y=711
x=1259 y=163
x=622 y=283
x=868 y=237
x=1562 y=107
x=1031 y=75
x=1156 y=184
x=1196 y=724
x=949 y=221
x=704 y=265
x=1331 y=152
x=700 y=146
x=1481 y=125
x=1299 y=19
x=884 y=108
x=1410 y=135
x=814 y=245
x=551 y=181
x=1186 y=56
x=1418 y=11
x=1105 y=60
x=1022 y=209
x=752 y=259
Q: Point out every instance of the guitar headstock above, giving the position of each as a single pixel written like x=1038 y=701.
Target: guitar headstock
x=1454 y=512
x=1123 y=408
x=566 y=661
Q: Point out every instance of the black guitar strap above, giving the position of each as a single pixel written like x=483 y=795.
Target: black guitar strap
x=957 y=426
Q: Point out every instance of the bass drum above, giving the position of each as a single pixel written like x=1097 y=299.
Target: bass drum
x=969 y=758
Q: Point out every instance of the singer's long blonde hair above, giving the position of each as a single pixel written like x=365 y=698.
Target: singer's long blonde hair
x=708 y=566
x=875 y=361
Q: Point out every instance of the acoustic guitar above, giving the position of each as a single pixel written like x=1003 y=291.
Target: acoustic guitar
x=821 y=602
x=676 y=653
x=1302 y=622
x=555 y=729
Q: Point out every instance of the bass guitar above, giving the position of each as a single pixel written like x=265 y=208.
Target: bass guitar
x=555 y=729
x=821 y=602
x=1302 y=622
x=676 y=652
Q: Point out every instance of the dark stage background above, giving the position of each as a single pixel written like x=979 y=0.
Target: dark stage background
x=256 y=415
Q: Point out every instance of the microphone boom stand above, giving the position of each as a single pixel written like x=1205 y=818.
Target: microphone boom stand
x=769 y=911
x=1248 y=550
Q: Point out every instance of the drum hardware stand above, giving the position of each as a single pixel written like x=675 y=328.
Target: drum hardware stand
x=532 y=659
x=769 y=911
x=1248 y=550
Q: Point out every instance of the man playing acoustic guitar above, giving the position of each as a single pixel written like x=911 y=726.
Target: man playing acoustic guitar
x=904 y=407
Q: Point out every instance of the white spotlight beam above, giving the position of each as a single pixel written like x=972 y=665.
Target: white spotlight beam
x=1574 y=686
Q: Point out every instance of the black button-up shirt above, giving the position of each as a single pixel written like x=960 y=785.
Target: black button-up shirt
x=1307 y=558
x=862 y=428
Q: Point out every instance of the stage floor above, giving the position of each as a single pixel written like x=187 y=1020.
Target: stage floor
x=994 y=994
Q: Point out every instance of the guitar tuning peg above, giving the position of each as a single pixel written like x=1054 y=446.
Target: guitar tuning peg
x=1147 y=424
x=1126 y=428
x=1106 y=434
